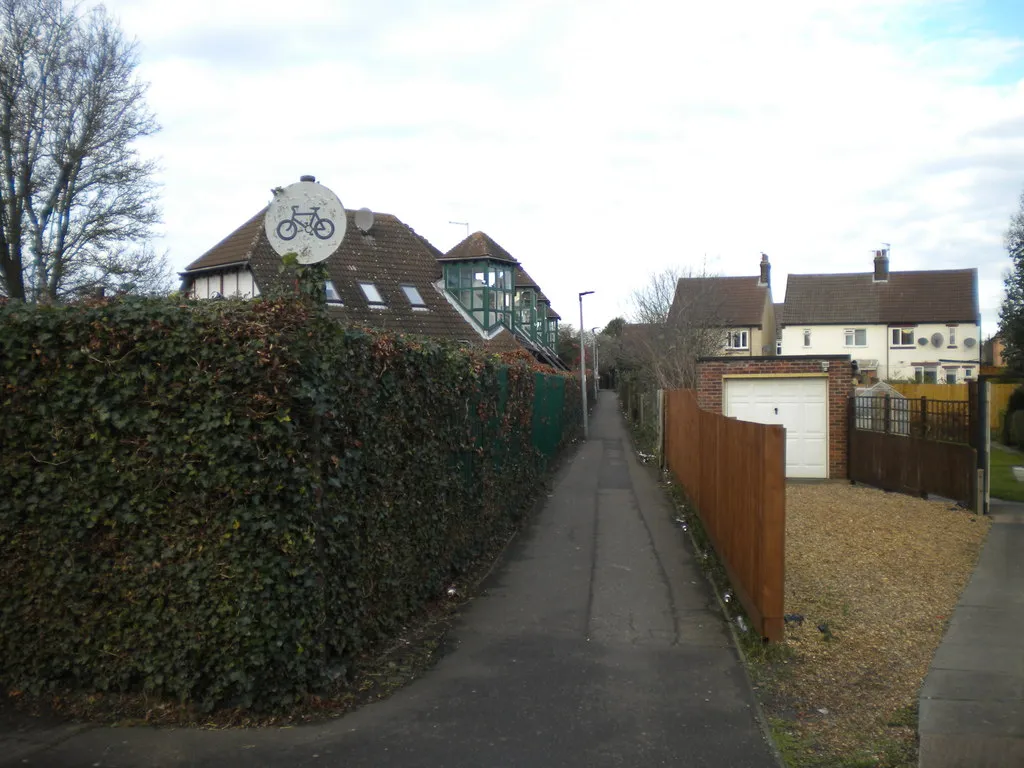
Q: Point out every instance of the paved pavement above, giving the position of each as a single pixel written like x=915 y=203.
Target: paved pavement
x=972 y=701
x=596 y=643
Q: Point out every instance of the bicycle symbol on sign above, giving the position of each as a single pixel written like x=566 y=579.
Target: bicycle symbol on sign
x=308 y=221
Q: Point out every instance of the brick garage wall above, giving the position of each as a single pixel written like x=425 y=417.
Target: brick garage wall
x=710 y=373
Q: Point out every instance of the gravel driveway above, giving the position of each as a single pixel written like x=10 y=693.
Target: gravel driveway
x=876 y=576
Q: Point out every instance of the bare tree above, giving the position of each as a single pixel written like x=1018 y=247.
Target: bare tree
x=676 y=322
x=76 y=200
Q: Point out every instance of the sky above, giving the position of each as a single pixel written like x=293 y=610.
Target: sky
x=601 y=142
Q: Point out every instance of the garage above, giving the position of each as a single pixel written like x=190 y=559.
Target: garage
x=800 y=404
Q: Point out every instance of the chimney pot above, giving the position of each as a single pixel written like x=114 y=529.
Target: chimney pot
x=881 y=267
x=307 y=177
x=766 y=270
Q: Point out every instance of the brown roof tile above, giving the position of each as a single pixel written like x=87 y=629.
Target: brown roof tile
x=908 y=297
x=389 y=256
x=719 y=301
x=478 y=246
x=232 y=249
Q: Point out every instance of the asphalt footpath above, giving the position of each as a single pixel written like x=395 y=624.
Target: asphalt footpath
x=596 y=642
x=971 y=710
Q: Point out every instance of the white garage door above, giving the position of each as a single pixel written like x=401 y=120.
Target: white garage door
x=800 y=405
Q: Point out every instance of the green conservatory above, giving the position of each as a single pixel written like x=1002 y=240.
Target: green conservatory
x=494 y=290
x=531 y=315
x=484 y=288
x=549 y=336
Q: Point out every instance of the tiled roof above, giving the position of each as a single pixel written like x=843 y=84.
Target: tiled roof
x=719 y=301
x=232 y=249
x=938 y=296
x=478 y=246
x=389 y=256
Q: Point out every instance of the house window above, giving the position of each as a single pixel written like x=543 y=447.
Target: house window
x=856 y=337
x=902 y=337
x=484 y=289
x=413 y=295
x=332 y=292
x=926 y=375
x=968 y=373
x=552 y=325
x=807 y=337
x=951 y=375
x=952 y=335
x=372 y=294
x=736 y=340
x=778 y=347
x=526 y=315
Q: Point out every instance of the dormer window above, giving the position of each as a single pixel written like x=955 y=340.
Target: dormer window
x=483 y=288
x=372 y=295
x=413 y=295
x=332 y=292
x=526 y=313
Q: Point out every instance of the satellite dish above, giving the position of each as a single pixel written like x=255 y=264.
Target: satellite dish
x=937 y=339
x=364 y=220
x=922 y=341
x=969 y=342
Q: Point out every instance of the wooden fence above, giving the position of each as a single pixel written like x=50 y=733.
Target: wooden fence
x=1000 y=396
x=907 y=463
x=734 y=474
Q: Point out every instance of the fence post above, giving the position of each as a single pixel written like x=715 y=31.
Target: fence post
x=660 y=402
x=924 y=416
x=888 y=415
x=851 y=424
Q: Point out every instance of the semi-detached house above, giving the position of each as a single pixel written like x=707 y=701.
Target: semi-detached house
x=921 y=325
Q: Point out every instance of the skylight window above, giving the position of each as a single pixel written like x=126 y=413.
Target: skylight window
x=371 y=293
x=413 y=295
x=332 y=292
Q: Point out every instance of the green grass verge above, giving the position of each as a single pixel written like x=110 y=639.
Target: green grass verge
x=1003 y=484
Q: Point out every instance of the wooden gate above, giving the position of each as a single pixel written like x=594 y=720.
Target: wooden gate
x=893 y=454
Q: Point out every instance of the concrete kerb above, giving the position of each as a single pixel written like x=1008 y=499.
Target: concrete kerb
x=759 y=714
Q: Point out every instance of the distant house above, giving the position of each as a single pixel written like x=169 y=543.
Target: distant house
x=391 y=278
x=992 y=352
x=921 y=325
x=740 y=308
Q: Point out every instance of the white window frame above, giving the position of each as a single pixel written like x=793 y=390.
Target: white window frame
x=738 y=335
x=807 y=337
x=921 y=373
x=412 y=293
x=968 y=373
x=373 y=296
x=897 y=341
x=952 y=335
x=951 y=372
x=333 y=297
x=852 y=333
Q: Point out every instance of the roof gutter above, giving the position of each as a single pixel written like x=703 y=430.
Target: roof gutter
x=215 y=268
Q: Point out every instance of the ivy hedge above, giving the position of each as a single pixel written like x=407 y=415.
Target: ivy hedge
x=224 y=502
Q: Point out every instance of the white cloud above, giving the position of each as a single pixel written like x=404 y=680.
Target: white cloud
x=601 y=142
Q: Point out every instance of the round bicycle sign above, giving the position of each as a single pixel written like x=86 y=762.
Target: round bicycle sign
x=306 y=219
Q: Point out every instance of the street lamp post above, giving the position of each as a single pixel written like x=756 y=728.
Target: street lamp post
x=583 y=367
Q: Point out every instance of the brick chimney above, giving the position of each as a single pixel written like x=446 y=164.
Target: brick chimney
x=882 y=266
x=766 y=270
